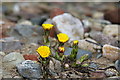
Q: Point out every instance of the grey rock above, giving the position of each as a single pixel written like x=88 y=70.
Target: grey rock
x=6 y=43
x=103 y=39
x=111 y=72
x=29 y=69
x=30 y=34
x=83 y=52
x=68 y=51
x=39 y=20
x=24 y=30
x=55 y=65
x=12 y=59
x=93 y=65
x=117 y=65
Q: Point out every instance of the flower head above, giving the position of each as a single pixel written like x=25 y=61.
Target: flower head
x=44 y=51
x=61 y=49
x=47 y=26
x=75 y=42
x=62 y=37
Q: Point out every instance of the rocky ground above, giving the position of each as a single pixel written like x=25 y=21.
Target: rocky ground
x=94 y=25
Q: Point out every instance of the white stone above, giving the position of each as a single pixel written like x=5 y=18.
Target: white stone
x=12 y=59
x=111 y=30
x=25 y=22
x=69 y=25
x=98 y=15
x=111 y=52
x=2 y=53
x=83 y=44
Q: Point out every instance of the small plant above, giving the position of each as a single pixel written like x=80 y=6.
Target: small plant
x=74 y=50
x=44 y=53
x=62 y=38
x=47 y=28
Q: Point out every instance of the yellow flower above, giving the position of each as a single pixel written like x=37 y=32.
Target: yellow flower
x=75 y=42
x=62 y=37
x=44 y=51
x=47 y=26
x=61 y=49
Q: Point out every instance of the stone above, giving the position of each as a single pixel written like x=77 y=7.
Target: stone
x=24 y=22
x=67 y=51
x=85 y=45
x=97 y=75
x=111 y=30
x=72 y=26
x=113 y=16
x=24 y=30
x=98 y=15
x=12 y=59
x=28 y=33
x=55 y=65
x=103 y=39
x=56 y=12
x=6 y=43
x=111 y=52
x=29 y=69
x=111 y=72
x=83 y=52
x=32 y=57
x=117 y=65
x=39 y=20
x=2 y=54
x=93 y=65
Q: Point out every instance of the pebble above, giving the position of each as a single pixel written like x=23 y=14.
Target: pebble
x=24 y=30
x=2 y=53
x=29 y=69
x=97 y=75
x=56 y=12
x=93 y=65
x=111 y=30
x=72 y=26
x=12 y=59
x=39 y=20
x=98 y=15
x=103 y=39
x=66 y=65
x=67 y=51
x=24 y=22
x=32 y=57
x=83 y=52
x=113 y=16
x=83 y=44
x=6 y=43
x=111 y=52
x=117 y=65
x=55 y=65
x=111 y=72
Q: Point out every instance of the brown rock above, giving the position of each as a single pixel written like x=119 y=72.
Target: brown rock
x=111 y=52
x=97 y=75
x=113 y=16
x=55 y=12
x=32 y=57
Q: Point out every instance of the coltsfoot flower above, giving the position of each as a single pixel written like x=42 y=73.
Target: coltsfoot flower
x=44 y=51
x=61 y=49
x=47 y=26
x=75 y=42
x=62 y=37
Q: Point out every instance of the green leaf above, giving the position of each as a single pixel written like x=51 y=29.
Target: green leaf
x=85 y=65
x=82 y=58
